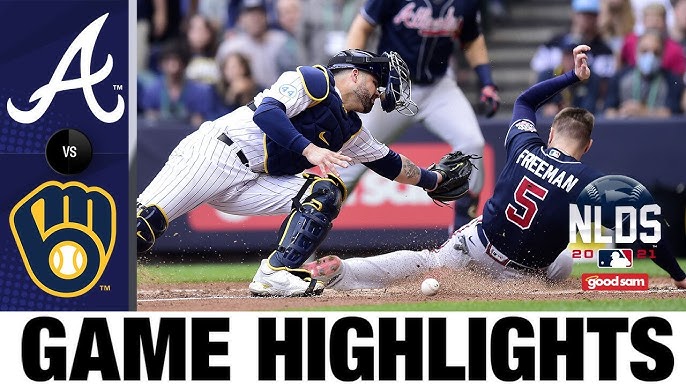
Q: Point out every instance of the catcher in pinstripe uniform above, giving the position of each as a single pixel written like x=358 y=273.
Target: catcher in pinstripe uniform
x=248 y=162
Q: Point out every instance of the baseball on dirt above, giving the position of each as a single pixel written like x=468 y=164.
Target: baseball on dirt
x=430 y=287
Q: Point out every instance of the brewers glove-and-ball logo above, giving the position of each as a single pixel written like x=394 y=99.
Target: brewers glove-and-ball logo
x=65 y=234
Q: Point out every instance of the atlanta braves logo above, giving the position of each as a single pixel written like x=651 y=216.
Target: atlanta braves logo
x=85 y=43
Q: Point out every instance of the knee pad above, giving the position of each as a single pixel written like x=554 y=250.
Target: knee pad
x=327 y=196
x=325 y=182
x=308 y=224
x=151 y=223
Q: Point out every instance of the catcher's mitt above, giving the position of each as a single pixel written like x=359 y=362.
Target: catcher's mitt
x=455 y=168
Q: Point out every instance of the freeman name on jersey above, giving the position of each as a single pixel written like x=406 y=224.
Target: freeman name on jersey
x=546 y=171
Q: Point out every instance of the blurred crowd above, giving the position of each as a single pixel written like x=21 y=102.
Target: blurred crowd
x=200 y=59
x=638 y=58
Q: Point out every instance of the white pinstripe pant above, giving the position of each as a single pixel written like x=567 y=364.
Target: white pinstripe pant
x=202 y=169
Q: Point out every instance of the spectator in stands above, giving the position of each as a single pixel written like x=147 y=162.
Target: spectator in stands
x=201 y=37
x=645 y=90
x=217 y=11
x=654 y=19
x=640 y=5
x=159 y=22
x=584 y=30
x=171 y=95
x=234 y=11
x=237 y=86
x=150 y=20
x=323 y=28
x=289 y=13
x=259 y=43
x=678 y=33
x=616 y=21
x=582 y=94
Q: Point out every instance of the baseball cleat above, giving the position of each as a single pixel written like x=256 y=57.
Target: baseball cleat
x=284 y=282
x=325 y=268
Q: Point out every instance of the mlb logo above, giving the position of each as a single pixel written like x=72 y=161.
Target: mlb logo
x=615 y=258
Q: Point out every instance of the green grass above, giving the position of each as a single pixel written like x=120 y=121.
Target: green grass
x=241 y=272
x=523 y=305
x=196 y=273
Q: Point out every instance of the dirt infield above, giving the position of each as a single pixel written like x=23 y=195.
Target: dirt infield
x=455 y=287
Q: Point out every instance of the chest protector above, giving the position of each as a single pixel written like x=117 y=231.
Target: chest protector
x=326 y=124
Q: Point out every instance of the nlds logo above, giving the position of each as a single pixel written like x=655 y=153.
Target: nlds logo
x=85 y=44
x=618 y=203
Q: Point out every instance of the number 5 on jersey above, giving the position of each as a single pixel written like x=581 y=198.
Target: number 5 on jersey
x=525 y=196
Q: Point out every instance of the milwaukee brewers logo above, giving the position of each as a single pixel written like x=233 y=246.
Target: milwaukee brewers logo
x=85 y=44
x=65 y=234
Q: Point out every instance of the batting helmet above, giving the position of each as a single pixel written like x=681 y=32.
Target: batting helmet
x=377 y=65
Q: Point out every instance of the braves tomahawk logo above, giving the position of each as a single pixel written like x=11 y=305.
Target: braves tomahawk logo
x=84 y=43
x=65 y=234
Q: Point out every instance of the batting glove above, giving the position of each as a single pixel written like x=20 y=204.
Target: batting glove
x=489 y=102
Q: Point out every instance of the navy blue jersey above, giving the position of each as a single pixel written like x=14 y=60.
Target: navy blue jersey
x=527 y=219
x=423 y=32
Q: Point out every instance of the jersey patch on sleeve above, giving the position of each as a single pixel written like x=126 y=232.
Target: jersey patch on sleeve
x=288 y=90
x=525 y=125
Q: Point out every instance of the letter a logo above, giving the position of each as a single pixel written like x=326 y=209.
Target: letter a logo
x=85 y=43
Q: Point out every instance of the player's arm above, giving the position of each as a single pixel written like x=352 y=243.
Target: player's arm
x=530 y=100
x=476 y=54
x=474 y=46
x=359 y=33
x=273 y=118
x=364 y=148
x=401 y=169
x=525 y=106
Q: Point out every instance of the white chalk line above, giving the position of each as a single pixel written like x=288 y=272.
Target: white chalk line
x=219 y=297
x=379 y=291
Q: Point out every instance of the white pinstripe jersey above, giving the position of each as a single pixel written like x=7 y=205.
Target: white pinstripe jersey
x=289 y=90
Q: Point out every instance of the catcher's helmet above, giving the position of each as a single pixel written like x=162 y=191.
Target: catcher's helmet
x=389 y=70
x=377 y=65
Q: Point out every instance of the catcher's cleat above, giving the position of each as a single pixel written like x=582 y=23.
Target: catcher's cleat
x=324 y=269
x=283 y=282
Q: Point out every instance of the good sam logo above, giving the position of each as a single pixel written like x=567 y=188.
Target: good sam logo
x=85 y=44
x=614 y=282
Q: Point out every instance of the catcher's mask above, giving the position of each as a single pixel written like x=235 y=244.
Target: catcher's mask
x=391 y=72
